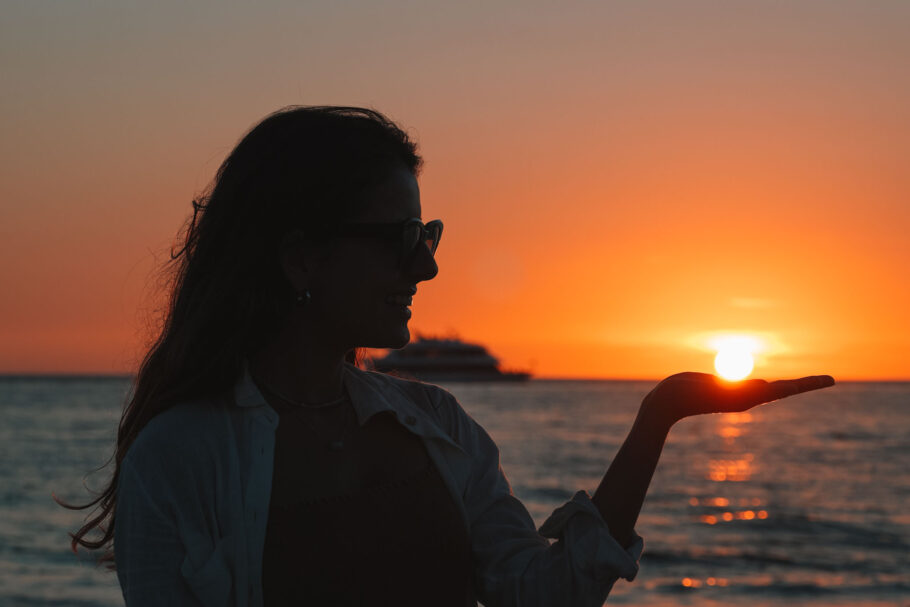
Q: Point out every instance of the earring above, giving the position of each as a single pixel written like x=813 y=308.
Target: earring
x=303 y=298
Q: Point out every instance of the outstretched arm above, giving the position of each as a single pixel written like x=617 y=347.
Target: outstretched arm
x=621 y=493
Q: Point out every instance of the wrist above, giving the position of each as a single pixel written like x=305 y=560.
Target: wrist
x=654 y=418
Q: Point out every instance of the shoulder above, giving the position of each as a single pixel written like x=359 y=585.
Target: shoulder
x=182 y=433
x=435 y=402
x=430 y=397
x=183 y=462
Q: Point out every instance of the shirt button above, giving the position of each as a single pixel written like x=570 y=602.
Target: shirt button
x=410 y=420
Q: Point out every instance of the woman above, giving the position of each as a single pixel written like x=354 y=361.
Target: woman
x=256 y=465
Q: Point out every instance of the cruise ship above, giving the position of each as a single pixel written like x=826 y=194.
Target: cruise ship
x=445 y=359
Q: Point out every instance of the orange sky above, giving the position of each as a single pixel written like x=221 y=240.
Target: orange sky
x=618 y=181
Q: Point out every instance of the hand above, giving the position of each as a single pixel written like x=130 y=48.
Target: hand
x=686 y=394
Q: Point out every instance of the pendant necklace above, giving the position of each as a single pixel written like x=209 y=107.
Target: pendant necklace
x=310 y=421
x=338 y=443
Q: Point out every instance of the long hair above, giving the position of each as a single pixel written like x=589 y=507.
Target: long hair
x=298 y=168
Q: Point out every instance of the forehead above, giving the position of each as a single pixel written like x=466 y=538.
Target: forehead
x=395 y=199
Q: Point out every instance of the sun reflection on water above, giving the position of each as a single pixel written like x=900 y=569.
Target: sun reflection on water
x=733 y=467
x=731 y=470
x=691 y=582
x=741 y=515
x=730 y=426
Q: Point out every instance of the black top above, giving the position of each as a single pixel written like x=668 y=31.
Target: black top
x=369 y=523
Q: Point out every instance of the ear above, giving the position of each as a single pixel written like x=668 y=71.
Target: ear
x=296 y=260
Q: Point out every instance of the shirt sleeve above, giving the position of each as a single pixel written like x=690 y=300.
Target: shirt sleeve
x=154 y=566
x=515 y=565
x=147 y=550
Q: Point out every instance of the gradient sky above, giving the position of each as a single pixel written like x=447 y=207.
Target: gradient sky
x=619 y=181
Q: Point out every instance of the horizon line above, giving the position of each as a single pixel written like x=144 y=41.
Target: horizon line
x=35 y=375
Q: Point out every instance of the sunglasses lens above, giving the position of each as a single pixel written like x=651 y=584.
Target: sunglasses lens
x=434 y=231
x=414 y=232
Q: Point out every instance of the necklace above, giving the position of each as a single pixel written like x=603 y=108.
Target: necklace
x=296 y=403
x=310 y=420
x=335 y=444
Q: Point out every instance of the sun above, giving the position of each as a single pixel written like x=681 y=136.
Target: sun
x=734 y=359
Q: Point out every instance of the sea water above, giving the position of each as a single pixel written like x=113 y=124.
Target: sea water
x=800 y=502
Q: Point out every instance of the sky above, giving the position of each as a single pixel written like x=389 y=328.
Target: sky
x=621 y=182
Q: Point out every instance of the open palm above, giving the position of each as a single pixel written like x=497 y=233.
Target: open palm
x=686 y=394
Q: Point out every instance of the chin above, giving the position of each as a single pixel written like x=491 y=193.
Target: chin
x=402 y=339
x=394 y=340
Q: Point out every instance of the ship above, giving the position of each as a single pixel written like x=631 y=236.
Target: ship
x=434 y=359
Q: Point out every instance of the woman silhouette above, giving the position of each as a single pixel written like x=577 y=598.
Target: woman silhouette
x=256 y=465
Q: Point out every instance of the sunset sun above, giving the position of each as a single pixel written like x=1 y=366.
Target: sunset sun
x=734 y=358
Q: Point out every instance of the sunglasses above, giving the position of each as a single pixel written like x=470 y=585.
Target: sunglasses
x=410 y=233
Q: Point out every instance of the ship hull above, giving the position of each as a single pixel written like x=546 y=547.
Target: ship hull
x=441 y=377
x=446 y=360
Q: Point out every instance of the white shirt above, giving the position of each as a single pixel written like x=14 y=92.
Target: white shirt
x=194 y=488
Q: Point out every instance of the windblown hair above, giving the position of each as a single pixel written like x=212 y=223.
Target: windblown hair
x=300 y=167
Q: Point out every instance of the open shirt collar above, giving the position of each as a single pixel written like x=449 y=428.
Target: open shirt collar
x=370 y=393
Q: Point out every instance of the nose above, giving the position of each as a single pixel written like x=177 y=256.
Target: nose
x=421 y=265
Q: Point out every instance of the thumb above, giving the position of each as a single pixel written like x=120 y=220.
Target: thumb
x=788 y=387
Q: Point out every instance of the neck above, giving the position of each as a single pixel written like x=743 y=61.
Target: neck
x=300 y=366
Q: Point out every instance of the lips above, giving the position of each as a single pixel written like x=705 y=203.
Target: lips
x=399 y=299
x=404 y=298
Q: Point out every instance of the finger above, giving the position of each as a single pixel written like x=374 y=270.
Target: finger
x=788 y=387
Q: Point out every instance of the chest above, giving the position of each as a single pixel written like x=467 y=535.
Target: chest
x=329 y=455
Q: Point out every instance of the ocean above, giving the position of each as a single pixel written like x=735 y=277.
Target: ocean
x=800 y=502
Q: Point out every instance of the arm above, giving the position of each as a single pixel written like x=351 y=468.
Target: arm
x=147 y=550
x=621 y=493
x=159 y=561
x=514 y=563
